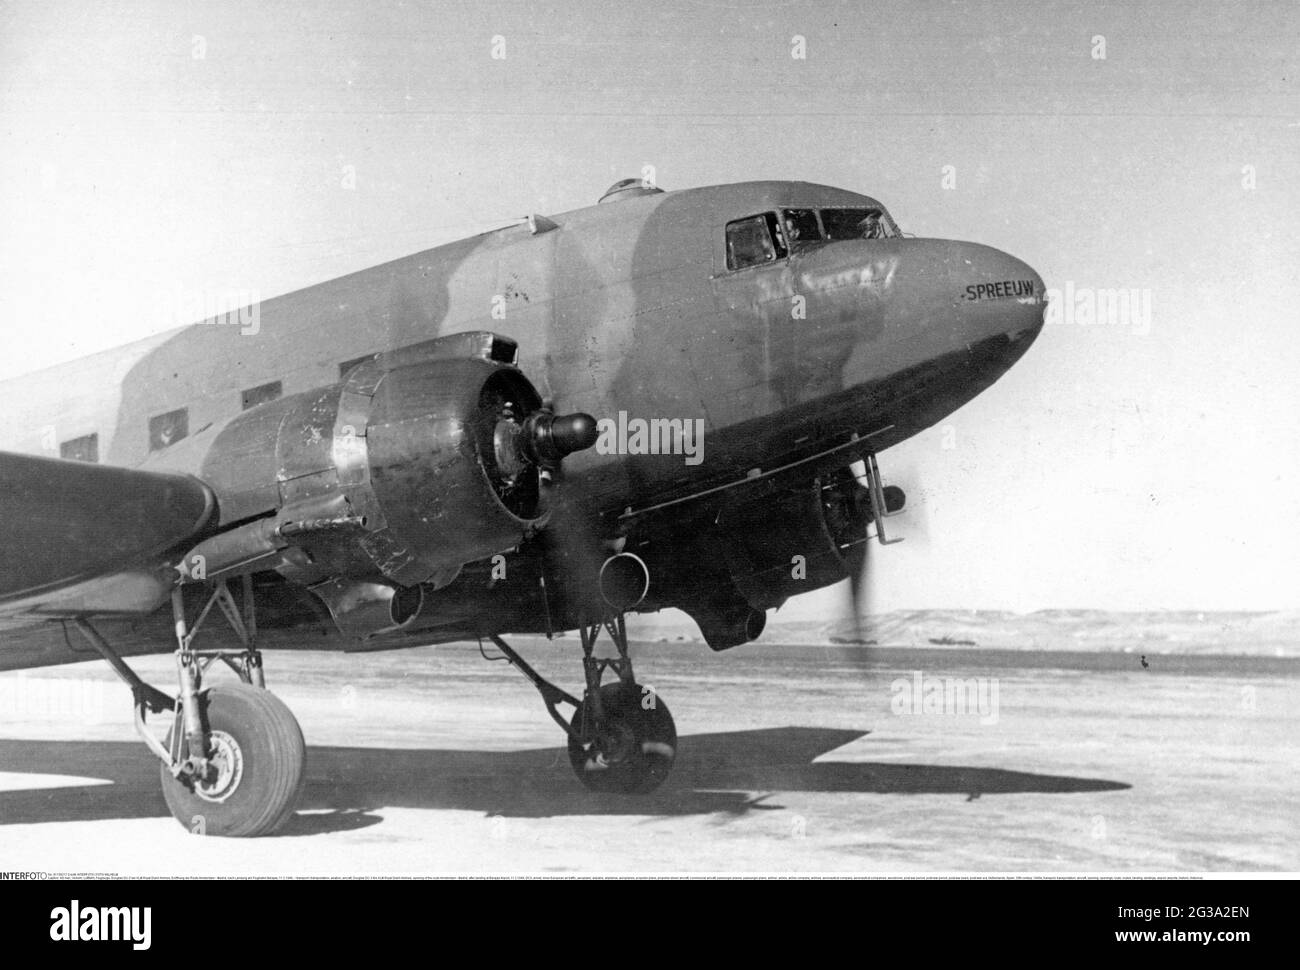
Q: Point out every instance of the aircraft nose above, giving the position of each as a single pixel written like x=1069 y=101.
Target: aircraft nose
x=997 y=294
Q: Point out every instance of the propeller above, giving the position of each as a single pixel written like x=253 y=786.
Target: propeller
x=572 y=544
x=862 y=586
x=862 y=592
x=528 y=455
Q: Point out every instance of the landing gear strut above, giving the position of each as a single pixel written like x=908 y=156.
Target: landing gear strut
x=234 y=758
x=622 y=737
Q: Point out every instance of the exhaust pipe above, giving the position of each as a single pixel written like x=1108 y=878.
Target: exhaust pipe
x=624 y=581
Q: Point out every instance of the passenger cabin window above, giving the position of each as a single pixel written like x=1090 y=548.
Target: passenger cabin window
x=167 y=429
x=261 y=394
x=754 y=241
x=85 y=448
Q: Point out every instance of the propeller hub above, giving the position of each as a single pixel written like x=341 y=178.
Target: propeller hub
x=544 y=438
x=548 y=437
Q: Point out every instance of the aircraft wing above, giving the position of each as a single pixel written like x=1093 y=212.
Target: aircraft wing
x=81 y=538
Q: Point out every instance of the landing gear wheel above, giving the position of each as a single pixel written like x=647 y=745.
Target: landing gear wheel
x=257 y=754
x=632 y=748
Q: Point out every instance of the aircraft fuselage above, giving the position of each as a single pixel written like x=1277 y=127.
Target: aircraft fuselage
x=710 y=353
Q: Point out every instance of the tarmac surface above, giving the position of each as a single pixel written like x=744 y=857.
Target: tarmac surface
x=790 y=759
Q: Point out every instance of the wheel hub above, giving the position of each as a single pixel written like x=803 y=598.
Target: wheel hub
x=227 y=764
x=616 y=743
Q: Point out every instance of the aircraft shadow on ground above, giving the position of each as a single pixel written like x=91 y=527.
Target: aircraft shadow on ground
x=733 y=772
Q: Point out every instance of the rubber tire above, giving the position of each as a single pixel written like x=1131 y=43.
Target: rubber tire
x=274 y=761
x=641 y=771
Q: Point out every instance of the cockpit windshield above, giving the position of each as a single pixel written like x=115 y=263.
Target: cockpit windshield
x=770 y=236
x=856 y=224
x=803 y=226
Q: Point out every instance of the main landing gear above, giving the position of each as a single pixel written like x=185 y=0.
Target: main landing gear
x=622 y=738
x=234 y=757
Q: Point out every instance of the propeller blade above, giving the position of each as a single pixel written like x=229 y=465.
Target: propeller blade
x=861 y=590
x=572 y=547
x=862 y=584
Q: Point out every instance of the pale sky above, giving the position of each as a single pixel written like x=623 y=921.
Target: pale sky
x=158 y=148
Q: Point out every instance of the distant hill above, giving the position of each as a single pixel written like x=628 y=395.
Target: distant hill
x=1274 y=634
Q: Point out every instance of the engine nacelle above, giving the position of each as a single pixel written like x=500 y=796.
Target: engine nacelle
x=727 y=621
x=760 y=553
x=414 y=464
x=797 y=542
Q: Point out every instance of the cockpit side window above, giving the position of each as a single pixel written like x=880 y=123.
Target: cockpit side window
x=855 y=224
x=753 y=241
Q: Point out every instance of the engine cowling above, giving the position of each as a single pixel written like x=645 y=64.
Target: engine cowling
x=414 y=464
x=793 y=543
x=759 y=553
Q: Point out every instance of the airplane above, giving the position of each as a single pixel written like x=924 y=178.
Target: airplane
x=665 y=399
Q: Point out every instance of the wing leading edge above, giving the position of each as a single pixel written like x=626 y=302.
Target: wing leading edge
x=78 y=533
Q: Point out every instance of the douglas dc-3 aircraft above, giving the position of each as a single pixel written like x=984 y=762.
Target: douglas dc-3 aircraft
x=668 y=399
